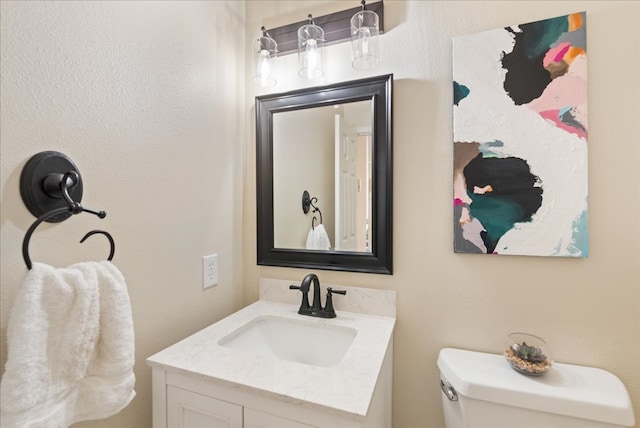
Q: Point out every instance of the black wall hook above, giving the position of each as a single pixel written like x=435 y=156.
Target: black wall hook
x=45 y=179
x=306 y=202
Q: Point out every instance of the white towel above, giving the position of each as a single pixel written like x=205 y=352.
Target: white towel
x=317 y=239
x=70 y=347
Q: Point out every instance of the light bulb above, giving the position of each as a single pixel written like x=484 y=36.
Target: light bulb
x=264 y=57
x=313 y=58
x=263 y=68
x=364 y=34
x=310 y=55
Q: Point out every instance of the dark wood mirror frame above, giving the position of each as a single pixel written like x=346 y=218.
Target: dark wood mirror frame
x=377 y=89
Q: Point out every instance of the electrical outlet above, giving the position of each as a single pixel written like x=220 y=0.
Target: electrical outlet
x=209 y=271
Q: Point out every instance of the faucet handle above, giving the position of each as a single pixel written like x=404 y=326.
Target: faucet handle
x=328 y=311
x=305 y=309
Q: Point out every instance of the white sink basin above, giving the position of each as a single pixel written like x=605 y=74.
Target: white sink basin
x=306 y=341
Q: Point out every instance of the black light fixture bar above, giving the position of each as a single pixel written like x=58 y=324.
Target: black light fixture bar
x=336 y=26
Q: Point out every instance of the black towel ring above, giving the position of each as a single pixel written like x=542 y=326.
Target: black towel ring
x=112 y=243
x=316 y=209
x=44 y=217
x=308 y=201
x=72 y=207
x=51 y=189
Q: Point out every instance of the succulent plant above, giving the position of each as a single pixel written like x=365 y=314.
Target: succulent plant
x=532 y=354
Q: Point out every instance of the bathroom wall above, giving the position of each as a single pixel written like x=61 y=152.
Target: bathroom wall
x=587 y=309
x=147 y=99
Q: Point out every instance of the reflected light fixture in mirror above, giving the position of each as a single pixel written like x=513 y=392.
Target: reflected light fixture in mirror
x=264 y=59
x=365 y=27
x=310 y=50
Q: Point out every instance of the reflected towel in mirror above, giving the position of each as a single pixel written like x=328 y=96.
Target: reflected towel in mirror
x=317 y=239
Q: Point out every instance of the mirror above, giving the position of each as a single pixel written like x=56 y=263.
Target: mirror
x=332 y=144
x=333 y=162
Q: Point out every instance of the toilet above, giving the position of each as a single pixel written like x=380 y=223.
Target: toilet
x=481 y=390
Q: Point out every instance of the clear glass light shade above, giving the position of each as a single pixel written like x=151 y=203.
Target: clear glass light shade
x=264 y=62
x=365 y=52
x=310 y=52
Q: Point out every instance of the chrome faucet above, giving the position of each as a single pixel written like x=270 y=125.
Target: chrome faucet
x=315 y=310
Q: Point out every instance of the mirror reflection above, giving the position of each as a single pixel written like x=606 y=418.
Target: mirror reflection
x=326 y=151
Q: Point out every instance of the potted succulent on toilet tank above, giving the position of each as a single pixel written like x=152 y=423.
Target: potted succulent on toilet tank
x=528 y=354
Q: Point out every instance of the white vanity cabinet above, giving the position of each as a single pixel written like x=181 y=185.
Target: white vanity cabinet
x=181 y=401
x=257 y=419
x=208 y=381
x=186 y=409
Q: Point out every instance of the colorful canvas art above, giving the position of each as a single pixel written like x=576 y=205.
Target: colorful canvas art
x=520 y=139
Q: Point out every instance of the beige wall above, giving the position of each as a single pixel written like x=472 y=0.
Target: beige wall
x=146 y=98
x=589 y=310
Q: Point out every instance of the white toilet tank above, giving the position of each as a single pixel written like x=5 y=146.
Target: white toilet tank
x=482 y=391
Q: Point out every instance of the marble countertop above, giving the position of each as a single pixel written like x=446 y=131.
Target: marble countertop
x=346 y=387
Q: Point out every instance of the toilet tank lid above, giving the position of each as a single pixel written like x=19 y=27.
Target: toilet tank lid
x=576 y=391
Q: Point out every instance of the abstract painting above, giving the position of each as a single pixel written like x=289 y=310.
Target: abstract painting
x=520 y=139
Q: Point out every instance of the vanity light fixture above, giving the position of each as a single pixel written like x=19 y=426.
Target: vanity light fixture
x=365 y=27
x=362 y=25
x=264 y=59
x=310 y=50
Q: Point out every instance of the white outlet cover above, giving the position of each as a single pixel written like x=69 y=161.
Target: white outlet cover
x=209 y=271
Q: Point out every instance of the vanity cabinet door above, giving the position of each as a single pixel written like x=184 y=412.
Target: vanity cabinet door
x=257 y=419
x=186 y=409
